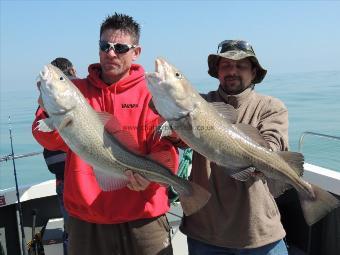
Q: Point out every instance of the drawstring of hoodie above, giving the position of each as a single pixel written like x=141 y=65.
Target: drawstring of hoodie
x=105 y=98
x=114 y=100
x=136 y=76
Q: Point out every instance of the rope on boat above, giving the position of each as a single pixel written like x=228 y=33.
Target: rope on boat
x=183 y=172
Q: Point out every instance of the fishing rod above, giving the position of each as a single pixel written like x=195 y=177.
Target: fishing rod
x=21 y=219
x=9 y=156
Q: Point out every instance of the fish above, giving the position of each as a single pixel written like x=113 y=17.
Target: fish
x=100 y=140
x=211 y=130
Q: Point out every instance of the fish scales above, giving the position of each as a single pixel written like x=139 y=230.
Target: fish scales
x=88 y=134
x=211 y=130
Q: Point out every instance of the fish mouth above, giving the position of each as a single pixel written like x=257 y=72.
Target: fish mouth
x=159 y=68
x=45 y=77
x=163 y=69
x=46 y=88
x=160 y=73
x=154 y=78
x=45 y=74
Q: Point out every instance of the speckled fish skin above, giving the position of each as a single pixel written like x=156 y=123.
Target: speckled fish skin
x=206 y=131
x=83 y=131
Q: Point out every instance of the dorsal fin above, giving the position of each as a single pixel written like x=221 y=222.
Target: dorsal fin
x=244 y=174
x=120 y=133
x=125 y=137
x=164 y=157
x=253 y=133
x=162 y=130
x=104 y=117
x=227 y=111
x=294 y=159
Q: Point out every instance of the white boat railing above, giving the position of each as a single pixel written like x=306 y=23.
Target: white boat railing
x=302 y=137
x=326 y=178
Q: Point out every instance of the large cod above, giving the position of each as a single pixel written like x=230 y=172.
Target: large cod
x=210 y=129
x=86 y=133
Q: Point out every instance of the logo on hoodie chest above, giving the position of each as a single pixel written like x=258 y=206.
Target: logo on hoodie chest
x=129 y=106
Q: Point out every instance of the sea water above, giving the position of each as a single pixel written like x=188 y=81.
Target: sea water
x=312 y=99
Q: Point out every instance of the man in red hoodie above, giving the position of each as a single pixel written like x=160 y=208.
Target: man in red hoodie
x=128 y=220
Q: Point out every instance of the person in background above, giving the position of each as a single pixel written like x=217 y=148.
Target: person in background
x=55 y=160
x=130 y=219
x=240 y=217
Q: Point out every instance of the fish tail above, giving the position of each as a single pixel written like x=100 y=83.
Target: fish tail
x=195 y=200
x=318 y=207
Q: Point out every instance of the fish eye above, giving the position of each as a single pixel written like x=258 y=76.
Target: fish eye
x=179 y=75
x=61 y=78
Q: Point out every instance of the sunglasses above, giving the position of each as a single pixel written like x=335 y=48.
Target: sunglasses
x=229 y=45
x=119 y=48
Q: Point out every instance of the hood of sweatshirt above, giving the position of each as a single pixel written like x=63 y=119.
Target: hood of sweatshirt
x=136 y=74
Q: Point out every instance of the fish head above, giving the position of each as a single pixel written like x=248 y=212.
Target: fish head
x=171 y=91
x=56 y=90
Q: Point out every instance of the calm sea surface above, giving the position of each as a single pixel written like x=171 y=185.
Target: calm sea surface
x=313 y=101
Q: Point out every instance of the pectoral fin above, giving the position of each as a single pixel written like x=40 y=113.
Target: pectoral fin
x=227 y=111
x=66 y=122
x=252 y=133
x=244 y=175
x=163 y=130
x=45 y=125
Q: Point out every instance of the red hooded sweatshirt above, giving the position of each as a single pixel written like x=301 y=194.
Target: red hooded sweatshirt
x=128 y=100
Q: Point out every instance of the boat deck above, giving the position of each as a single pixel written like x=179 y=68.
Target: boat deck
x=42 y=198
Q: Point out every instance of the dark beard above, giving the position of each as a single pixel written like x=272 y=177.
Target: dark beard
x=239 y=88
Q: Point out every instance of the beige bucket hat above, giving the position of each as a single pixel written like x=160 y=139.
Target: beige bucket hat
x=235 y=50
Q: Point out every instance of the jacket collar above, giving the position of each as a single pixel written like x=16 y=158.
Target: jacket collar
x=135 y=76
x=236 y=100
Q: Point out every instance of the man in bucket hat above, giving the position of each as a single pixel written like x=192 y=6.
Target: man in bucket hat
x=238 y=52
x=240 y=217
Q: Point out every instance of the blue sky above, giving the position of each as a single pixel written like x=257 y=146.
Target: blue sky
x=288 y=36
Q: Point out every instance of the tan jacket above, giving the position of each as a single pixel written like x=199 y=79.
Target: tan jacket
x=240 y=214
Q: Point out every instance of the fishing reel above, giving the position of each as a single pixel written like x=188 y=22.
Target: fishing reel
x=35 y=246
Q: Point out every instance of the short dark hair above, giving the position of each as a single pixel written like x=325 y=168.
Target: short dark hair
x=124 y=23
x=63 y=64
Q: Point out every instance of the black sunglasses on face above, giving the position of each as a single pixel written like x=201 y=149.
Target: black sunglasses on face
x=119 y=48
x=229 y=45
